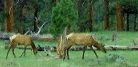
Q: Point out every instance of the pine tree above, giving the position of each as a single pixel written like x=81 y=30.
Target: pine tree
x=64 y=14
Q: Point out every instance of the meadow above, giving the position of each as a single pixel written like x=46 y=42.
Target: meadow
x=127 y=58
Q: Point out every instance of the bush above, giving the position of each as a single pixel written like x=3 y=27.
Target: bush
x=64 y=14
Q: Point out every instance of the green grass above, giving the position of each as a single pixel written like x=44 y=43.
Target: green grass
x=123 y=38
x=105 y=60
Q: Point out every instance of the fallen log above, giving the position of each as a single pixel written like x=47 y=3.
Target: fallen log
x=4 y=36
x=115 y=47
x=108 y=48
x=46 y=37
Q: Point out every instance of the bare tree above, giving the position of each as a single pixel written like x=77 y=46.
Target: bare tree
x=39 y=30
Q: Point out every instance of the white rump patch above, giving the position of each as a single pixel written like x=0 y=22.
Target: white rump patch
x=12 y=37
x=68 y=36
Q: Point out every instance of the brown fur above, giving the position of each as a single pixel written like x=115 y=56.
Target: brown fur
x=79 y=39
x=22 y=40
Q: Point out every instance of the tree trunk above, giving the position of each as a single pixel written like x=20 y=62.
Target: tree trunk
x=135 y=20
x=1 y=5
x=10 y=16
x=80 y=11
x=127 y=24
x=36 y=18
x=119 y=17
x=21 y=25
x=106 y=17
x=90 y=15
x=21 y=16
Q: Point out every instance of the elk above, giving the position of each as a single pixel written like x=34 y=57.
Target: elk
x=85 y=40
x=24 y=40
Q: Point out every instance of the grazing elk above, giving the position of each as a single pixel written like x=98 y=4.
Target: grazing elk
x=82 y=39
x=19 y=39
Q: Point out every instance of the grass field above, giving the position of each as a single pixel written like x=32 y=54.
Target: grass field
x=110 y=59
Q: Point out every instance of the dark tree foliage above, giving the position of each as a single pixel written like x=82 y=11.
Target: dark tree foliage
x=64 y=14
x=79 y=15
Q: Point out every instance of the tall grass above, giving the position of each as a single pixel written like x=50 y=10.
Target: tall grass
x=110 y=59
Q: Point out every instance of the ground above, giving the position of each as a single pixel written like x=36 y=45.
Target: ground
x=110 y=59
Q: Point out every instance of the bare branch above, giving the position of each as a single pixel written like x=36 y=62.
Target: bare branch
x=17 y=2
x=37 y=20
x=83 y=3
x=27 y=32
x=40 y=28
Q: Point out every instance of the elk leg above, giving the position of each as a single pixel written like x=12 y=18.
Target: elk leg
x=68 y=52
x=94 y=52
x=23 y=51
x=64 y=55
x=13 y=52
x=8 y=52
x=83 y=52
